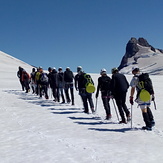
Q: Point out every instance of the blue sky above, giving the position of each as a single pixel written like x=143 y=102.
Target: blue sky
x=69 y=33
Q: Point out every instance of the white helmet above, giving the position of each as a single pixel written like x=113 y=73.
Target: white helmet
x=79 y=68
x=103 y=71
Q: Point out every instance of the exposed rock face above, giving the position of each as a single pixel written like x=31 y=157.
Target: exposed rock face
x=132 y=49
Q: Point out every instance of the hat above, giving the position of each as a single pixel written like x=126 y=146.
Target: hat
x=114 y=70
x=67 y=68
x=79 y=68
x=103 y=71
x=135 y=68
x=50 y=69
x=60 y=68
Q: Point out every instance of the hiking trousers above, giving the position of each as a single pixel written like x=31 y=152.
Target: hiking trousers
x=120 y=99
x=87 y=98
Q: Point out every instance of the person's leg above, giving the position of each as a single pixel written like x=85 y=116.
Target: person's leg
x=119 y=105
x=85 y=103
x=90 y=100
x=72 y=93
x=105 y=100
x=146 y=118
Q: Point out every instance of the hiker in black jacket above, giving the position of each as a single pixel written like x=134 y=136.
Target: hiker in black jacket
x=68 y=79
x=80 y=85
x=119 y=87
x=60 y=85
x=104 y=86
x=19 y=75
x=53 y=78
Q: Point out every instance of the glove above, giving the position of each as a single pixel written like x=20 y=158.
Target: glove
x=96 y=95
x=131 y=100
x=153 y=97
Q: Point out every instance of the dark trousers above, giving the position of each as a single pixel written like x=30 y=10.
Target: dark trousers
x=54 y=92
x=105 y=95
x=60 y=93
x=120 y=101
x=87 y=97
x=67 y=88
x=105 y=100
x=26 y=85
x=44 y=89
x=22 y=84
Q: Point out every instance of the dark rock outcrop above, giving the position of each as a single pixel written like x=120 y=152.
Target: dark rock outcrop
x=132 y=48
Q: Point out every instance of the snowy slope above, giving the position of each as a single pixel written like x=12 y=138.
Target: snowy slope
x=147 y=61
x=38 y=130
x=9 y=67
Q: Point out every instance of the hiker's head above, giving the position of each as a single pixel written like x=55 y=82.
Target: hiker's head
x=79 y=70
x=40 y=69
x=114 y=70
x=103 y=71
x=135 y=70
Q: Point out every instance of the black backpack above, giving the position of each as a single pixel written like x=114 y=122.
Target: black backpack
x=89 y=85
x=105 y=83
x=145 y=83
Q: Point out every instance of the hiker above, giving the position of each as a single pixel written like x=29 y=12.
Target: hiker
x=32 y=83
x=53 y=78
x=43 y=83
x=104 y=86
x=80 y=84
x=68 y=79
x=144 y=104
x=26 y=80
x=37 y=81
x=119 y=87
x=60 y=85
x=49 y=75
x=19 y=75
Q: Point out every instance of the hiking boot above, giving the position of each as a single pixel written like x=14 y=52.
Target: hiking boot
x=46 y=97
x=63 y=102
x=108 y=117
x=129 y=117
x=153 y=123
x=87 y=112
x=146 y=128
x=122 y=122
x=92 y=109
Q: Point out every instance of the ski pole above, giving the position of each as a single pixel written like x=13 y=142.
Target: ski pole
x=115 y=109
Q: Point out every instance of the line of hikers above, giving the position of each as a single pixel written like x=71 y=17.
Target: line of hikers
x=115 y=87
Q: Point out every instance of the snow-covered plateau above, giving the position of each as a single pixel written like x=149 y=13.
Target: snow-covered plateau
x=39 y=130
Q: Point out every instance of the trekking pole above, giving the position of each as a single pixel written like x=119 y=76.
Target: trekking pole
x=154 y=104
x=96 y=105
x=115 y=109
x=131 y=116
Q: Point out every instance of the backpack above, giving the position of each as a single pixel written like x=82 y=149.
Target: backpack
x=44 y=78
x=145 y=87
x=37 y=76
x=105 y=82
x=90 y=88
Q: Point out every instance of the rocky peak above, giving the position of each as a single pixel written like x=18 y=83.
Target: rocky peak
x=132 y=48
